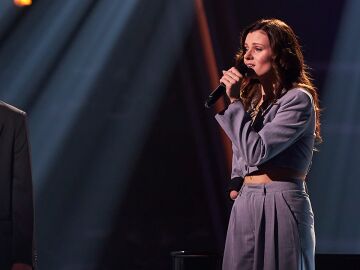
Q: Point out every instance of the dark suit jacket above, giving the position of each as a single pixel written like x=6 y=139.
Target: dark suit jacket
x=16 y=193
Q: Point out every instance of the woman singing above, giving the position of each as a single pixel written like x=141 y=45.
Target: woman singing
x=273 y=122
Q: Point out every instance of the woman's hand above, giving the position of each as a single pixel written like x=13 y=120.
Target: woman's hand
x=233 y=194
x=232 y=79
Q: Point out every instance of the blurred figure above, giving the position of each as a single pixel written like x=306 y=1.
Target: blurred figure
x=16 y=192
x=273 y=122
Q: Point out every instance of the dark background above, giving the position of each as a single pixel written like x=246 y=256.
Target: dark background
x=128 y=165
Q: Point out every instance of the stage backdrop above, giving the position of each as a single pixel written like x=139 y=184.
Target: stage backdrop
x=128 y=165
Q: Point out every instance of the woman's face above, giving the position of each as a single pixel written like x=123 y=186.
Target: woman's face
x=258 y=54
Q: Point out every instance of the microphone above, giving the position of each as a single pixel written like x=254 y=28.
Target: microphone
x=221 y=89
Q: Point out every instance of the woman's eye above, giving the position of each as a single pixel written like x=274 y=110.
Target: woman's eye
x=258 y=49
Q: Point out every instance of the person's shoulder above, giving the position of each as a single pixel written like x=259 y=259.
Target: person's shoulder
x=298 y=94
x=9 y=110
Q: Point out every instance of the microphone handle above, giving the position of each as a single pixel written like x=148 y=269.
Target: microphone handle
x=215 y=95
x=221 y=89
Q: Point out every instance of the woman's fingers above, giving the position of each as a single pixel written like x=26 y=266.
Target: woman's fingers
x=235 y=72
x=231 y=76
x=228 y=78
x=231 y=79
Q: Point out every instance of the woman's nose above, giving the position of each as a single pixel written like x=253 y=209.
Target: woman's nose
x=248 y=55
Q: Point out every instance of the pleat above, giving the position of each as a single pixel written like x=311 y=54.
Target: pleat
x=277 y=245
x=288 y=240
x=271 y=233
x=259 y=231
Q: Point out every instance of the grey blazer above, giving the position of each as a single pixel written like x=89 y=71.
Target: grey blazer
x=282 y=136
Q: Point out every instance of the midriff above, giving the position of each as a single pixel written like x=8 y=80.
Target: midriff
x=278 y=174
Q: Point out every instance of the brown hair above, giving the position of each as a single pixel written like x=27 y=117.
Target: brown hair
x=290 y=69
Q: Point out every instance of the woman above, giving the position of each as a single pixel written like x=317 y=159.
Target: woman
x=273 y=123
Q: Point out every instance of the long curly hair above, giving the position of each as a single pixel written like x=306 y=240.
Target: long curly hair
x=288 y=65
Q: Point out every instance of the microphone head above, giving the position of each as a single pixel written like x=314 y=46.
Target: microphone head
x=245 y=70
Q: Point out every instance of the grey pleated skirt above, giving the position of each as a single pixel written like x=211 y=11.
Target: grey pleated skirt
x=271 y=227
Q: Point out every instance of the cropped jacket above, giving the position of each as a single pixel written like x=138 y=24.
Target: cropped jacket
x=281 y=136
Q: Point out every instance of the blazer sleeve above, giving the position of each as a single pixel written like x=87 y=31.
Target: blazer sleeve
x=22 y=197
x=291 y=119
